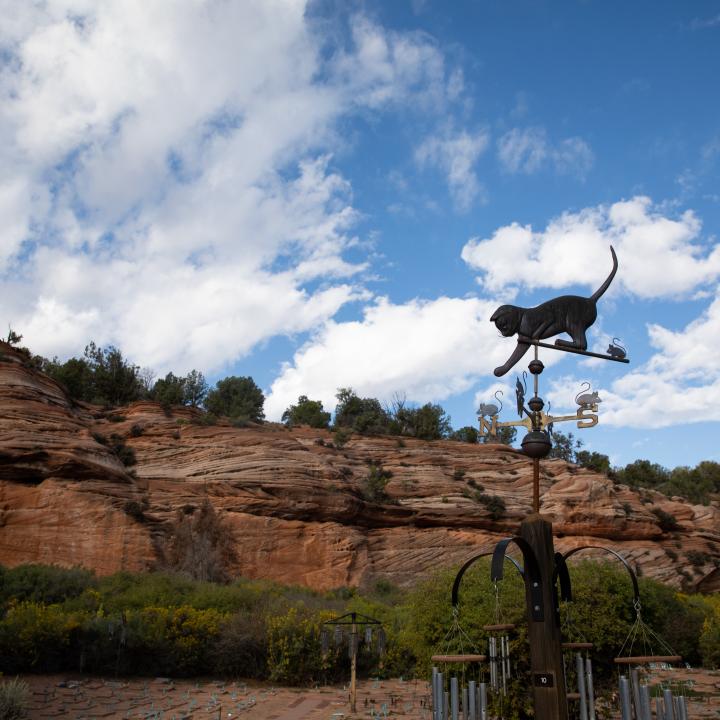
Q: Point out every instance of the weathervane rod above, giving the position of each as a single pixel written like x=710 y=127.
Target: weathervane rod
x=576 y=351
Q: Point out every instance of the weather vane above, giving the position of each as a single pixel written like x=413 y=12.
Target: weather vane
x=571 y=314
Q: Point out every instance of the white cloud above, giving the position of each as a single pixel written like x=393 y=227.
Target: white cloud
x=573 y=156
x=165 y=178
x=528 y=150
x=679 y=384
x=455 y=154
x=427 y=349
x=523 y=151
x=574 y=250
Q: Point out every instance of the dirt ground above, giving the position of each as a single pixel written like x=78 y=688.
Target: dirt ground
x=85 y=698
x=93 y=698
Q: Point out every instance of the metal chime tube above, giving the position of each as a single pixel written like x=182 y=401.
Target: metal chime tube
x=507 y=654
x=472 y=704
x=645 y=708
x=635 y=688
x=483 y=701
x=580 y=665
x=493 y=663
x=625 y=711
x=454 y=699
x=446 y=705
x=682 y=703
x=669 y=710
x=659 y=712
x=503 y=655
x=438 y=707
x=464 y=699
x=434 y=694
x=590 y=689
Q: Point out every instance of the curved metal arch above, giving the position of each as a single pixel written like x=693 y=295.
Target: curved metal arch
x=531 y=574
x=562 y=573
x=466 y=566
x=631 y=572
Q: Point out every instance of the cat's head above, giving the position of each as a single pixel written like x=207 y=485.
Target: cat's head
x=507 y=319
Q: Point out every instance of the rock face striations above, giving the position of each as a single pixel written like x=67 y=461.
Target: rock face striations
x=297 y=508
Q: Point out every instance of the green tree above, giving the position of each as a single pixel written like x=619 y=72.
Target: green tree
x=429 y=422
x=565 y=447
x=13 y=338
x=238 y=398
x=504 y=435
x=75 y=375
x=467 y=434
x=643 y=473
x=169 y=390
x=363 y=415
x=115 y=381
x=306 y=412
x=195 y=388
x=593 y=461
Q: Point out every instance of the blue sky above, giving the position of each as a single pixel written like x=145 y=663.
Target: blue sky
x=334 y=194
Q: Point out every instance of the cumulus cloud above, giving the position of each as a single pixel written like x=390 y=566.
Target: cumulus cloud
x=527 y=150
x=427 y=349
x=573 y=250
x=679 y=384
x=165 y=176
x=455 y=155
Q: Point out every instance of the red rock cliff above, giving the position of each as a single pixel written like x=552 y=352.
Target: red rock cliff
x=294 y=501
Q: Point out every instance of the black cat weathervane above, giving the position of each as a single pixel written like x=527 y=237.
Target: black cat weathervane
x=571 y=314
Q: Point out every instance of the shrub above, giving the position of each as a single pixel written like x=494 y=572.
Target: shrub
x=362 y=415
x=14 y=696
x=697 y=558
x=37 y=638
x=46 y=584
x=374 y=485
x=666 y=521
x=241 y=650
x=341 y=437
x=293 y=648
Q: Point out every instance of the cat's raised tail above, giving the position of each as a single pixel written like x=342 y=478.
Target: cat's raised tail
x=599 y=292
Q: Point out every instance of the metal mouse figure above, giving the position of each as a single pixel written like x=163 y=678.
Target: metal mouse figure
x=585 y=399
x=616 y=350
x=489 y=409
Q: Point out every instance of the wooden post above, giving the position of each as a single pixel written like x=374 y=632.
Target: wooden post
x=353 y=664
x=546 y=664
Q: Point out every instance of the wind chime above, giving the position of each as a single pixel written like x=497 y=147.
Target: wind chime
x=460 y=687
x=354 y=626
x=644 y=653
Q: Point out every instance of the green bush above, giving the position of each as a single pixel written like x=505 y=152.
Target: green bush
x=293 y=648
x=45 y=584
x=306 y=412
x=373 y=489
x=38 y=638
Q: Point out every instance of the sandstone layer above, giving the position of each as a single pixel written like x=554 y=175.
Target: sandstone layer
x=295 y=504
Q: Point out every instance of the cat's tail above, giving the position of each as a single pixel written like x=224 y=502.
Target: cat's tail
x=599 y=292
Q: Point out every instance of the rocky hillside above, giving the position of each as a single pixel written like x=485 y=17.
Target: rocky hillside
x=297 y=505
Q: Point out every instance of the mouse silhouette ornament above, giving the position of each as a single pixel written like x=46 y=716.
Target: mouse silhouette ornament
x=571 y=314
